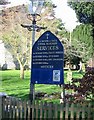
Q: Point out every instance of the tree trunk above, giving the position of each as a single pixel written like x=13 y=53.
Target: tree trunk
x=21 y=72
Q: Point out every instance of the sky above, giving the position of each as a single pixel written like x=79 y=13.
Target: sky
x=66 y=13
x=62 y=11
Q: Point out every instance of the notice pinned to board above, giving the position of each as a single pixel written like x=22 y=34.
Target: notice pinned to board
x=56 y=75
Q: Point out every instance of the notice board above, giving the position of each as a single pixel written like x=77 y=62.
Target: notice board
x=47 y=60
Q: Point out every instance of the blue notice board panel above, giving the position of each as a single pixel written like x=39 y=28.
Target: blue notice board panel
x=47 y=60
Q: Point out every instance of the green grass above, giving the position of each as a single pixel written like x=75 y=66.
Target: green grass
x=14 y=86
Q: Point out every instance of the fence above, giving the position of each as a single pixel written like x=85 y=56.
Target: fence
x=16 y=109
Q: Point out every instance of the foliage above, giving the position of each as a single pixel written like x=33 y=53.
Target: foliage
x=11 y=18
x=84 y=11
x=18 y=45
x=83 y=35
x=16 y=39
x=83 y=89
x=85 y=14
x=77 y=49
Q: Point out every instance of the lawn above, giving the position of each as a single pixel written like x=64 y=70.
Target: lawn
x=14 y=86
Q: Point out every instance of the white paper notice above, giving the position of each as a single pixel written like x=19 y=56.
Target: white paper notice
x=56 y=75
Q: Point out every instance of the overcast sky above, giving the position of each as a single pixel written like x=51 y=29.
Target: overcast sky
x=62 y=11
x=67 y=15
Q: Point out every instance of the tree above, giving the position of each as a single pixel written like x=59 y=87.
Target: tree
x=83 y=88
x=17 y=39
x=85 y=14
x=84 y=11
x=19 y=47
x=83 y=34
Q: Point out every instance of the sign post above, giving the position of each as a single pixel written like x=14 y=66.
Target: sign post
x=47 y=60
x=32 y=87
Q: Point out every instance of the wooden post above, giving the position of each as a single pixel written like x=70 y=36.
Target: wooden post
x=41 y=110
x=1 y=106
x=45 y=110
x=66 y=111
x=50 y=111
x=28 y=109
x=56 y=112
x=37 y=110
x=21 y=109
x=64 y=99
x=72 y=111
x=62 y=111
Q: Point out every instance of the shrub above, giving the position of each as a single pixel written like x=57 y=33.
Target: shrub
x=83 y=89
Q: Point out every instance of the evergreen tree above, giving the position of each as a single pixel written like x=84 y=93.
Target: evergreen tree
x=83 y=34
x=85 y=15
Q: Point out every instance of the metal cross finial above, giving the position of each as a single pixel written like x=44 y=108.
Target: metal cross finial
x=47 y=35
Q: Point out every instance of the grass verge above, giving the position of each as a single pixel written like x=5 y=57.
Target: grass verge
x=14 y=86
